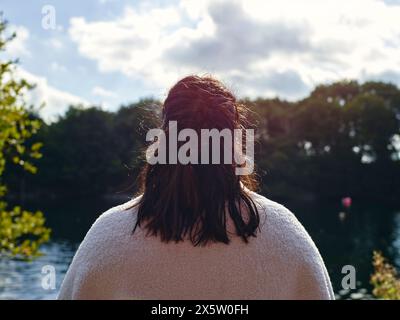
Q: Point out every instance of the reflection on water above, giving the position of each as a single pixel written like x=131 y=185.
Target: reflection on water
x=348 y=240
x=23 y=280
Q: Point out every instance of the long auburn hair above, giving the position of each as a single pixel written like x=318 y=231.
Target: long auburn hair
x=192 y=200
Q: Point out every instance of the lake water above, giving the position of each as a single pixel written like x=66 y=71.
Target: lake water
x=348 y=241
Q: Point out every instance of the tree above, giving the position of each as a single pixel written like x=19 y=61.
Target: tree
x=79 y=153
x=21 y=231
x=384 y=279
x=131 y=124
x=372 y=123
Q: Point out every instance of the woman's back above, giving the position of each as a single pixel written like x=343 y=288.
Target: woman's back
x=281 y=262
x=197 y=231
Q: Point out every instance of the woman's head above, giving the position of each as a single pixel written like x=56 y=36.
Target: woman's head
x=201 y=103
x=193 y=200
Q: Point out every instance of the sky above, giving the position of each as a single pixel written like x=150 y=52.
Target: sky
x=109 y=53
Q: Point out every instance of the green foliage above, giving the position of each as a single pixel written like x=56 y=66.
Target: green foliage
x=90 y=152
x=21 y=232
x=373 y=123
x=338 y=141
x=384 y=279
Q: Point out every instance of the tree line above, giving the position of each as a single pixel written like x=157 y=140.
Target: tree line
x=341 y=140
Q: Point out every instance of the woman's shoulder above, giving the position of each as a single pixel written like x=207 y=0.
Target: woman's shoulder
x=281 y=228
x=116 y=221
x=274 y=212
x=110 y=233
x=287 y=241
x=102 y=251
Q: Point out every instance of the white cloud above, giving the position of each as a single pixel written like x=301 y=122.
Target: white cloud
x=101 y=92
x=55 y=101
x=56 y=67
x=275 y=47
x=18 y=46
x=55 y=43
